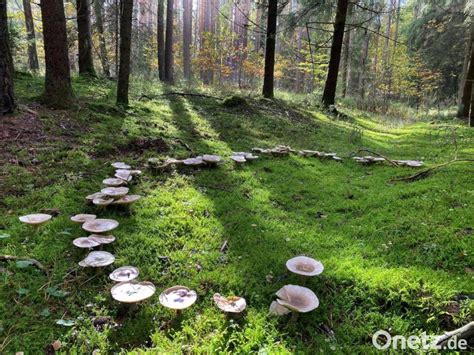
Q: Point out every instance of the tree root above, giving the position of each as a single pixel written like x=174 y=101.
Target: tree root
x=465 y=332
x=33 y=261
x=424 y=173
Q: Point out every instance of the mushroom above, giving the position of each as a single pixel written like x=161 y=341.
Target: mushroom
x=239 y=159
x=124 y=273
x=135 y=172
x=115 y=192
x=232 y=304
x=36 y=219
x=247 y=156
x=304 y=266
x=114 y=182
x=277 y=309
x=81 y=218
x=94 y=196
x=297 y=299
x=132 y=292
x=102 y=202
x=178 y=298
x=127 y=200
x=85 y=243
x=193 y=161
x=121 y=165
x=123 y=174
x=97 y=259
x=211 y=159
x=102 y=239
x=100 y=225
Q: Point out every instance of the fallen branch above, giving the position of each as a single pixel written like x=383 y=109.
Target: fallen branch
x=175 y=93
x=32 y=261
x=379 y=155
x=465 y=332
x=422 y=174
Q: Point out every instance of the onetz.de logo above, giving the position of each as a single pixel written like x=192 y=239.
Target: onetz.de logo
x=382 y=340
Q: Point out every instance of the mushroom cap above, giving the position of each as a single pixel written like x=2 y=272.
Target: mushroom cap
x=127 y=200
x=232 y=304
x=238 y=158
x=277 y=309
x=178 y=297
x=213 y=159
x=94 y=196
x=193 y=161
x=124 y=273
x=115 y=192
x=85 y=243
x=81 y=218
x=123 y=174
x=113 y=182
x=97 y=259
x=297 y=298
x=100 y=225
x=102 y=239
x=251 y=157
x=132 y=292
x=36 y=218
x=102 y=201
x=303 y=265
x=135 y=172
x=121 y=165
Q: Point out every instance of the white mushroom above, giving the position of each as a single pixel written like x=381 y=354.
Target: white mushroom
x=121 y=165
x=127 y=200
x=277 y=309
x=135 y=172
x=81 y=218
x=178 y=297
x=232 y=304
x=85 y=243
x=115 y=192
x=114 y=182
x=211 y=159
x=303 y=265
x=297 y=298
x=94 y=196
x=193 y=161
x=35 y=219
x=100 y=225
x=102 y=239
x=238 y=159
x=102 y=201
x=97 y=259
x=132 y=292
x=124 y=273
x=123 y=174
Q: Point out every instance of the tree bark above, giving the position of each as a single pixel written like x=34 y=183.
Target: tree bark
x=7 y=98
x=86 y=62
x=187 y=37
x=269 y=70
x=58 y=89
x=466 y=99
x=99 y=22
x=125 y=46
x=161 y=39
x=30 y=34
x=329 y=94
x=169 y=42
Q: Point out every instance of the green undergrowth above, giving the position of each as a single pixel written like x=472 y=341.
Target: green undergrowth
x=397 y=257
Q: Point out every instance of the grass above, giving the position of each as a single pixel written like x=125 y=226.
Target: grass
x=397 y=256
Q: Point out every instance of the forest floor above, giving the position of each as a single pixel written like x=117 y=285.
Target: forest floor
x=397 y=256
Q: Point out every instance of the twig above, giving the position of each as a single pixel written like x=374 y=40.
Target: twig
x=424 y=173
x=465 y=332
x=33 y=261
x=224 y=246
x=379 y=155
x=143 y=96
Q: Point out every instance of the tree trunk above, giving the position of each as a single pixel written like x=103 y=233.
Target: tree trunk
x=268 y=76
x=86 y=62
x=169 y=42
x=117 y=35
x=187 y=37
x=466 y=99
x=363 y=70
x=58 y=89
x=7 y=99
x=125 y=46
x=329 y=94
x=30 y=34
x=161 y=39
x=99 y=21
